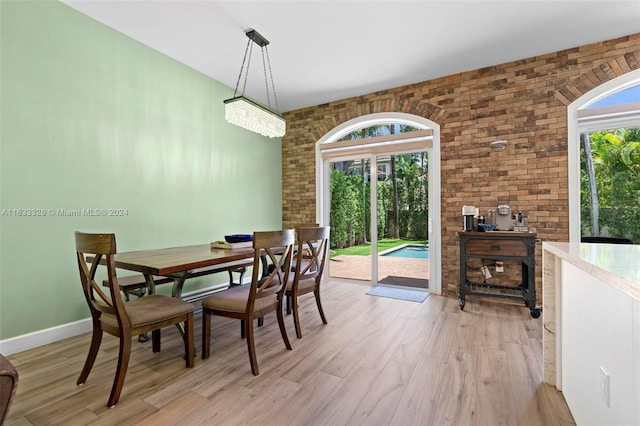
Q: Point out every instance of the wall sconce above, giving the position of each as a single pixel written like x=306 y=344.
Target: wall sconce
x=246 y=113
x=498 y=146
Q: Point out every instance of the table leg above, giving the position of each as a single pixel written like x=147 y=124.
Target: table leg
x=178 y=284
x=151 y=285
x=265 y=265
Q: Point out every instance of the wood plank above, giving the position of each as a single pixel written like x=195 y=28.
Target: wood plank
x=174 y=412
x=457 y=402
x=386 y=342
x=380 y=403
x=268 y=403
x=307 y=399
x=467 y=337
x=314 y=354
x=494 y=404
x=441 y=338
x=418 y=403
x=222 y=405
x=556 y=407
x=411 y=345
x=340 y=405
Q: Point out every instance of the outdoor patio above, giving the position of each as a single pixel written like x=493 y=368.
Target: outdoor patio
x=391 y=270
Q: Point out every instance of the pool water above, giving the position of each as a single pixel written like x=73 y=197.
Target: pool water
x=410 y=251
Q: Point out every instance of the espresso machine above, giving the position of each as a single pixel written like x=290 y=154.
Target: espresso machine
x=504 y=219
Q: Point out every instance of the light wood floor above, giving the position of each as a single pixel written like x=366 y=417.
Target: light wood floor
x=379 y=361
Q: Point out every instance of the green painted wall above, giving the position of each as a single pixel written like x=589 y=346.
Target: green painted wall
x=91 y=119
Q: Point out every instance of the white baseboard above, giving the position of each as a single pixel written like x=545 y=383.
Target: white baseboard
x=44 y=337
x=49 y=335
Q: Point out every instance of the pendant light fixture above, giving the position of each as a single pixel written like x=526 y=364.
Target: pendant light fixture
x=247 y=113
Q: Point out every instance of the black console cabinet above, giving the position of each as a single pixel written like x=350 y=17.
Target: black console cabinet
x=497 y=245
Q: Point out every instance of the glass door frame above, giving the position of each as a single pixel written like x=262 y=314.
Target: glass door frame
x=323 y=197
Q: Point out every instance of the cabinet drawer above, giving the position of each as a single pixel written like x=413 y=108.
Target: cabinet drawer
x=495 y=247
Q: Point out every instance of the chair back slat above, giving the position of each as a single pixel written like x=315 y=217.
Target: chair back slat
x=277 y=246
x=313 y=245
x=101 y=248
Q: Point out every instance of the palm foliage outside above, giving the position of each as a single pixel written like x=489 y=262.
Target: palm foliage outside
x=610 y=183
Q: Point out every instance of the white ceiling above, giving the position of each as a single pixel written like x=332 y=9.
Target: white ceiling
x=323 y=51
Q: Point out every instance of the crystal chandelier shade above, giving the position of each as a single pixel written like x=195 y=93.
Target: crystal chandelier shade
x=246 y=113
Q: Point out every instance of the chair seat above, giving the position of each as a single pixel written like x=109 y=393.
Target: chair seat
x=303 y=265
x=150 y=309
x=302 y=284
x=235 y=300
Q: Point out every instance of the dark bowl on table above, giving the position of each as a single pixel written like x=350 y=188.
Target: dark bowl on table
x=238 y=238
x=486 y=227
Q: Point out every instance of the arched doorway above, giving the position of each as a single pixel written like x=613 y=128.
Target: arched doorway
x=428 y=140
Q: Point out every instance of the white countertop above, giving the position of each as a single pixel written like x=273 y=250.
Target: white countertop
x=616 y=264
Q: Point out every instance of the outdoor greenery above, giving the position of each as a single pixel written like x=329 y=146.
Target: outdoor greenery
x=610 y=183
x=402 y=195
x=384 y=244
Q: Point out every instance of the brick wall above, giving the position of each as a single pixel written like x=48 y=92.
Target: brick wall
x=524 y=102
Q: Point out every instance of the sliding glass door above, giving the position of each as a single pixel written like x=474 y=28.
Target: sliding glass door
x=379 y=219
x=402 y=219
x=350 y=221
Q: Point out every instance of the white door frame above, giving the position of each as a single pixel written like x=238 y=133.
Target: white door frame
x=434 y=221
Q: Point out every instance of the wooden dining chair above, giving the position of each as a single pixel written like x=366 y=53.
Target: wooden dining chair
x=311 y=253
x=264 y=295
x=111 y=314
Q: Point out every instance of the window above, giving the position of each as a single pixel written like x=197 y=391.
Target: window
x=609 y=135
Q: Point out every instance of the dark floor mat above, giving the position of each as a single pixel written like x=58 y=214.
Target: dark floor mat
x=405 y=281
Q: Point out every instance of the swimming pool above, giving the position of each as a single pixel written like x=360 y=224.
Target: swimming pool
x=410 y=251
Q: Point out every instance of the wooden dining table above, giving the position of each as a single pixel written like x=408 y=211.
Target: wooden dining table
x=181 y=263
